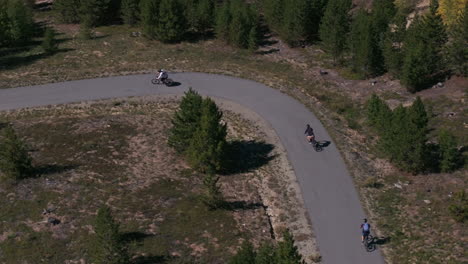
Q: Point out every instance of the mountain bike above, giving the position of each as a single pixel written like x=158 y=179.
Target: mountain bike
x=368 y=243
x=167 y=82
x=316 y=145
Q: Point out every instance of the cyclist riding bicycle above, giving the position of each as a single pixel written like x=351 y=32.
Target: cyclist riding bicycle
x=162 y=75
x=309 y=134
x=365 y=227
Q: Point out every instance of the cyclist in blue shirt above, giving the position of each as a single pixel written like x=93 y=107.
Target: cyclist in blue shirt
x=365 y=227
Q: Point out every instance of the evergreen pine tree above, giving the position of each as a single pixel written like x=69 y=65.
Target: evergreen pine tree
x=423 y=63
x=253 y=38
x=418 y=115
x=4 y=25
x=49 y=43
x=274 y=13
x=15 y=162
x=190 y=12
x=366 y=56
x=185 y=121
x=265 y=254
x=239 y=27
x=86 y=31
x=457 y=48
x=213 y=197
x=335 y=26
x=171 y=23
x=315 y=12
x=245 y=255
x=108 y=246
x=20 y=21
x=130 y=11
x=295 y=21
x=67 y=10
x=95 y=12
x=149 y=16
x=449 y=155
x=459 y=207
x=208 y=146
x=204 y=14
x=223 y=20
x=382 y=14
x=416 y=69
x=378 y=113
x=287 y=252
x=384 y=119
x=393 y=43
x=405 y=140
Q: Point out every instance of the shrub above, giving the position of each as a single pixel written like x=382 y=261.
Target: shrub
x=372 y=182
x=212 y=197
x=15 y=162
x=449 y=154
x=108 y=247
x=49 y=44
x=459 y=208
x=245 y=255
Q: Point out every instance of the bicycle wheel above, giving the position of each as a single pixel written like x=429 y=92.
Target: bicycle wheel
x=369 y=243
x=169 y=82
x=318 y=148
x=155 y=81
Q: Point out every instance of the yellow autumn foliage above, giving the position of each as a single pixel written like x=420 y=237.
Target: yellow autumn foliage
x=451 y=9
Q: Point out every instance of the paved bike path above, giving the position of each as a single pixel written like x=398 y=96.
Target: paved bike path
x=328 y=191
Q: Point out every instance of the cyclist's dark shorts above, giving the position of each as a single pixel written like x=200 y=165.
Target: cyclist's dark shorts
x=365 y=233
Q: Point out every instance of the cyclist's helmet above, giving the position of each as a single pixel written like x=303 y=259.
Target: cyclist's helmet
x=160 y=70
x=365 y=220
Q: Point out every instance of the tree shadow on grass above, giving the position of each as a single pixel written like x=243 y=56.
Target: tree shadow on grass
x=52 y=169
x=241 y=205
x=247 y=155
x=381 y=240
x=15 y=61
x=128 y=237
x=150 y=259
x=195 y=37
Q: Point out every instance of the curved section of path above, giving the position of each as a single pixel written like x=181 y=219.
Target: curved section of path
x=327 y=188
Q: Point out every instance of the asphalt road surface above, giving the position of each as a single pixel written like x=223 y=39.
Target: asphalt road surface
x=327 y=188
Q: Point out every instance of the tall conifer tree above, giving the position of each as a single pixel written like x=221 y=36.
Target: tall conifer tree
x=149 y=16
x=68 y=10
x=449 y=154
x=295 y=21
x=20 y=21
x=185 y=121
x=287 y=252
x=423 y=63
x=15 y=162
x=171 y=23
x=108 y=247
x=207 y=149
x=457 y=48
x=223 y=20
x=130 y=11
x=392 y=46
x=245 y=255
x=366 y=56
x=335 y=26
